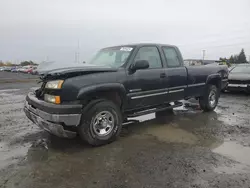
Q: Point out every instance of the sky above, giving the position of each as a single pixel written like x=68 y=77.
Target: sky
x=50 y=29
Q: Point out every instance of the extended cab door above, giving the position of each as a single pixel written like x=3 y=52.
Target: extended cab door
x=176 y=73
x=146 y=87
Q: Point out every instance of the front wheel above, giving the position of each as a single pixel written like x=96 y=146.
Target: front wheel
x=101 y=123
x=209 y=101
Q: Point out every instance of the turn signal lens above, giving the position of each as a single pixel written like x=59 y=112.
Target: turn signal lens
x=52 y=99
x=57 y=99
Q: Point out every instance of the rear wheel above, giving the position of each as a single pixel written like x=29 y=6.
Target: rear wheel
x=101 y=123
x=209 y=101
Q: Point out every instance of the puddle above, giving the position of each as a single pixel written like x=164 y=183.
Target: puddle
x=172 y=134
x=234 y=151
x=15 y=129
x=233 y=169
x=177 y=127
x=9 y=90
x=37 y=154
x=34 y=88
x=9 y=98
x=231 y=118
x=181 y=109
x=10 y=155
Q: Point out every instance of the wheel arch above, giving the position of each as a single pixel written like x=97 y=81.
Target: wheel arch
x=111 y=91
x=214 y=79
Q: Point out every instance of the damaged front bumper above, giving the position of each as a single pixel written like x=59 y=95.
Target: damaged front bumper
x=56 y=119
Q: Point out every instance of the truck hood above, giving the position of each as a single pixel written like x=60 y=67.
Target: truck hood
x=238 y=76
x=73 y=71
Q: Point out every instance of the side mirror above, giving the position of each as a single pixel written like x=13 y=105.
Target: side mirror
x=140 y=64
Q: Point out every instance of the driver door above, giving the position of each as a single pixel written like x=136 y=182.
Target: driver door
x=146 y=87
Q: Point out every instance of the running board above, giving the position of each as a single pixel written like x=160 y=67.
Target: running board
x=132 y=121
x=152 y=110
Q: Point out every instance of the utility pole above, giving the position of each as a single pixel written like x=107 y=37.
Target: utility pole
x=77 y=53
x=203 y=54
x=75 y=57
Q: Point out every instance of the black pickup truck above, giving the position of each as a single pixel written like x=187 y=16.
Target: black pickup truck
x=96 y=98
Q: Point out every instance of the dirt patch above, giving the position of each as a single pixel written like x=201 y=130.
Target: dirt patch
x=18 y=81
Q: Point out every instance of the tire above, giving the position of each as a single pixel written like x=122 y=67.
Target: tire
x=209 y=101
x=100 y=132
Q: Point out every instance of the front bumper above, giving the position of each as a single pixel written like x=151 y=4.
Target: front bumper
x=56 y=122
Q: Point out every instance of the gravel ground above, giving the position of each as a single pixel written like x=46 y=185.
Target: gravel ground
x=188 y=148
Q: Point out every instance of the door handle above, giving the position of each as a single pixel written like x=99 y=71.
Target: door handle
x=162 y=75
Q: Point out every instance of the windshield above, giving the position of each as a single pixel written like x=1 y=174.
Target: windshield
x=112 y=57
x=241 y=69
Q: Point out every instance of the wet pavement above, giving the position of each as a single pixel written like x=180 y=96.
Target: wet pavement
x=186 y=148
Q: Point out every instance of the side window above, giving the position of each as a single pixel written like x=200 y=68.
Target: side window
x=171 y=57
x=151 y=54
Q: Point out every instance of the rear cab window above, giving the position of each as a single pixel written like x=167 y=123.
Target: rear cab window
x=172 y=57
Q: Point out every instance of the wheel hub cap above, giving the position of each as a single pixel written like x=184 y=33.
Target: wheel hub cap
x=103 y=123
x=212 y=98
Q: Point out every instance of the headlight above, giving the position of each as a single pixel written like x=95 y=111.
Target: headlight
x=52 y=98
x=56 y=84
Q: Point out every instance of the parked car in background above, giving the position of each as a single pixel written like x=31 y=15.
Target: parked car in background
x=231 y=68
x=8 y=69
x=239 y=78
x=2 y=68
x=14 y=69
x=34 y=70
x=26 y=69
x=19 y=69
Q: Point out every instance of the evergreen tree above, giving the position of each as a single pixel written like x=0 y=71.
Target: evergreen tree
x=24 y=63
x=235 y=59
x=242 y=57
x=231 y=60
